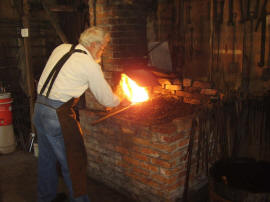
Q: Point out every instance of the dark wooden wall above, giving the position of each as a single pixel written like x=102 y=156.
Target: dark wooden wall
x=43 y=38
x=202 y=46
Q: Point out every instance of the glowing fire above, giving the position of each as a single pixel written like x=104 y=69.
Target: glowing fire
x=133 y=92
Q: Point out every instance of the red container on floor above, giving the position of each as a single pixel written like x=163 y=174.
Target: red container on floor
x=5 y=109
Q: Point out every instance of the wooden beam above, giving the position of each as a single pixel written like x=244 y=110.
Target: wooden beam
x=28 y=65
x=54 y=23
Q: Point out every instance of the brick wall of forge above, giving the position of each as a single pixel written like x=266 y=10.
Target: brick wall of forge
x=126 y=22
x=145 y=162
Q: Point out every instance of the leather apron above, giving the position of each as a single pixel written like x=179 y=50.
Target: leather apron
x=71 y=130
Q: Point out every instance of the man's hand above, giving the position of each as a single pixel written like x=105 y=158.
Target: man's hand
x=108 y=109
x=123 y=103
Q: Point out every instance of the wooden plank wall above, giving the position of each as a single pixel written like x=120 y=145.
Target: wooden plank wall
x=43 y=39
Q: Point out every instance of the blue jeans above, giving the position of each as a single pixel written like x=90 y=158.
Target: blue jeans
x=51 y=149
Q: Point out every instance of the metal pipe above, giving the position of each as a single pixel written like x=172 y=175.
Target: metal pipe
x=111 y=114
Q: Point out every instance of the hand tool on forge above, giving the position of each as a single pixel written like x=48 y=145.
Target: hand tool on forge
x=112 y=114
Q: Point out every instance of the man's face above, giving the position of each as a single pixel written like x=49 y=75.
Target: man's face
x=99 y=49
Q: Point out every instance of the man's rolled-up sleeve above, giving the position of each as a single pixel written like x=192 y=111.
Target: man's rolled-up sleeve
x=101 y=89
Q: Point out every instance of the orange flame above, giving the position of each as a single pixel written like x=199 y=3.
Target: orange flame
x=133 y=92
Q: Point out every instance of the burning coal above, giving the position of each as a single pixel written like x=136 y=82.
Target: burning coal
x=132 y=91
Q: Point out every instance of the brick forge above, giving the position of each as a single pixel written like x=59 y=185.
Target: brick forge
x=145 y=161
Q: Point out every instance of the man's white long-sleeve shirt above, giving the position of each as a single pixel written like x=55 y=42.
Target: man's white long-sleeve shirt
x=78 y=73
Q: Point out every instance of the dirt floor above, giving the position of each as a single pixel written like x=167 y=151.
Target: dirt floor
x=18 y=181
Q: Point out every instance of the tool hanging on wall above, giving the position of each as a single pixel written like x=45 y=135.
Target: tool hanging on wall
x=263 y=30
x=257 y=9
x=268 y=27
x=247 y=17
x=266 y=70
x=214 y=39
x=174 y=35
x=95 y=12
x=250 y=47
x=214 y=35
x=261 y=14
x=191 y=49
x=182 y=33
x=190 y=28
x=262 y=20
x=234 y=66
x=242 y=16
x=253 y=10
x=244 y=60
x=189 y=13
x=247 y=47
x=221 y=11
x=230 y=14
x=218 y=15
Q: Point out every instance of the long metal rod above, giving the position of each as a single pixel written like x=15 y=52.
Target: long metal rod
x=111 y=114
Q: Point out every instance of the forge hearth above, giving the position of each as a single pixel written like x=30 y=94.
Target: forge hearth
x=146 y=162
x=157 y=110
x=142 y=151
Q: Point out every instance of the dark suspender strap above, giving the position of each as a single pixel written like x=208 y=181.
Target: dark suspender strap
x=56 y=69
x=53 y=71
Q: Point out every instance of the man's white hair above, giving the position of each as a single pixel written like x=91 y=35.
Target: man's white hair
x=92 y=34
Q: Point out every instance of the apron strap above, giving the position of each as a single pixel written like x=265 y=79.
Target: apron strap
x=56 y=69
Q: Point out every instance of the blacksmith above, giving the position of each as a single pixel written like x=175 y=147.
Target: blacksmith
x=70 y=70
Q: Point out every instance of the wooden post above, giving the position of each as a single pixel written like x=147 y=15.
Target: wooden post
x=57 y=28
x=28 y=65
